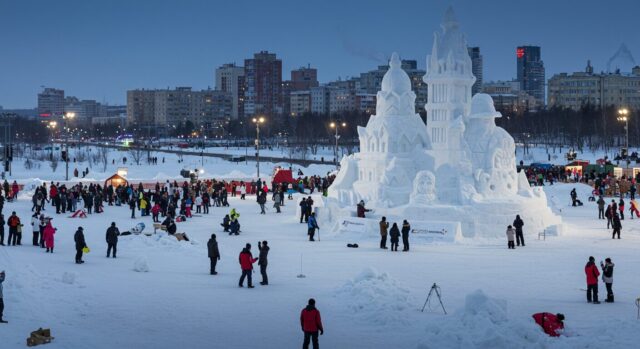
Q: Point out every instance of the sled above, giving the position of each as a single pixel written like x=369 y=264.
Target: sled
x=40 y=336
x=79 y=214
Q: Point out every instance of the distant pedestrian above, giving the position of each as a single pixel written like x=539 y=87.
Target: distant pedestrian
x=617 y=226
x=49 y=232
x=592 y=273
x=15 y=235
x=384 y=229
x=35 y=228
x=406 y=229
x=112 y=239
x=80 y=244
x=511 y=238
x=518 y=224
x=601 y=204
x=214 y=254
x=2 y=276
x=262 y=262
x=312 y=225
x=607 y=277
x=246 y=264
x=621 y=208
x=395 y=237
x=311 y=324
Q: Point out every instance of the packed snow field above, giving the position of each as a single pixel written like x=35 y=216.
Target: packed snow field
x=158 y=293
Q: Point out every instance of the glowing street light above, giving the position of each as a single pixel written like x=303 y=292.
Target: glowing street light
x=336 y=126
x=258 y=121
x=623 y=116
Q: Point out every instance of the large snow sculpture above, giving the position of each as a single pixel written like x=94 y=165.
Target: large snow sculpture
x=458 y=168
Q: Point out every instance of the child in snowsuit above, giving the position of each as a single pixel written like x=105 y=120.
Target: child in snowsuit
x=511 y=237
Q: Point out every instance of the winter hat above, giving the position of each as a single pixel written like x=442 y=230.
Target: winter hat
x=248 y=246
x=113 y=224
x=80 y=228
x=213 y=236
x=312 y=301
x=591 y=259
x=608 y=260
x=560 y=316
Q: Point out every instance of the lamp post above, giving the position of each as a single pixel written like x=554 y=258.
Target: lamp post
x=623 y=115
x=336 y=126
x=258 y=121
x=65 y=117
x=52 y=126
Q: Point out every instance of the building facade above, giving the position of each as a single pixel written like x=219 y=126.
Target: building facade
x=371 y=81
x=508 y=97
x=601 y=90
x=530 y=72
x=476 y=68
x=51 y=102
x=263 y=85
x=300 y=102
x=230 y=78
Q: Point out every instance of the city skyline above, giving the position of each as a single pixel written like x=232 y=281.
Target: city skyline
x=108 y=48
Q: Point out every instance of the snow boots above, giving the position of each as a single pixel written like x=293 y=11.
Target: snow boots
x=352 y=245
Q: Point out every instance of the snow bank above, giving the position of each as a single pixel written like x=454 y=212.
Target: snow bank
x=483 y=323
x=141 y=265
x=375 y=298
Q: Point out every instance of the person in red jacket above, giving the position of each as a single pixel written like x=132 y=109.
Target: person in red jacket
x=246 y=264
x=311 y=324
x=592 y=272
x=551 y=324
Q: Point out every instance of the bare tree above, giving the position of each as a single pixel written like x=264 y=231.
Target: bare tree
x=103 y=157
x=136 y=154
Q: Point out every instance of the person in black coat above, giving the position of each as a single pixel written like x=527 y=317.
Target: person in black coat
x=262 y=262
x=406 y=228
x=225 y=223
x=214 y=253
x=617 y=225
x=395 y=237
x=112 y=239
x=132 y=207
x=80 y=244
x=518 y=224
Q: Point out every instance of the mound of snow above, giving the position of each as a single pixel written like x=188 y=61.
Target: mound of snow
x=376 y=298
x=141 y=265
x=483 y=324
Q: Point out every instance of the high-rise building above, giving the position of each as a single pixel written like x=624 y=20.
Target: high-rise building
x=51 y=102
x=230 y=78
x=263 y=85
x=476 y=68
x=320 y=97
x=507 y=96
x=531 y=75
x=300 y=102
x=600 y=90
x=170 y=108
x=304 y=78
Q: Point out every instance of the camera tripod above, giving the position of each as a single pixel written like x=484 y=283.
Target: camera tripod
x=434 y=289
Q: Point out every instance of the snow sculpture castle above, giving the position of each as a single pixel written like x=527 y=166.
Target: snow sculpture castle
x=458 y=167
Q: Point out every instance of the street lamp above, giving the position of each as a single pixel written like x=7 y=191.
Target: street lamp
x=65 y=117
x=258 y=121
x=623 y=115
x=336 y=126
x=52 y=127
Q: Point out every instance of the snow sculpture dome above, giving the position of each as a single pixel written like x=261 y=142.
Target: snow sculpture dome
x=482 y=107
x=396 y=79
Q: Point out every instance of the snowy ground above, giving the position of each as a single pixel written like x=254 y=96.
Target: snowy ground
x=369 y=298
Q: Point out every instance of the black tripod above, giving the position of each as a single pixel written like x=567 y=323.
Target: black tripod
x=434 y=289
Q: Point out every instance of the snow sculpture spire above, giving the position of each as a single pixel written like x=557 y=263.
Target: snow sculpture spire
x=395 y=97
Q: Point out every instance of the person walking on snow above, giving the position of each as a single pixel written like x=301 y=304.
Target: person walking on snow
x=80 y=244
x=214 y=254
x=406 y=228
x=518 y=224
x=312 y=225
x=395 y=237
x=574 y=197
x=384 y=229
x=592 y=273
x=311 y=324
x=112 y=239
x=609 y=216
x=246 y=264
x=617 y=226
x=607 y=277
x=621 y=208
x=35 y=228
x=633 y=208
x=601 y=203
x=49 y=232
x=2 y=320
x=510 y=238
x=262 y=262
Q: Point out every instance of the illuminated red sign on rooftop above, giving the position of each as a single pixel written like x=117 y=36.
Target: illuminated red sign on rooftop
x=520 y=52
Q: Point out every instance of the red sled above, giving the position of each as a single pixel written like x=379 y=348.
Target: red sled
x=79 y=214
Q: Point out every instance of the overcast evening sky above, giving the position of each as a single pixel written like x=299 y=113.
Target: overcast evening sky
x=100 y=49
